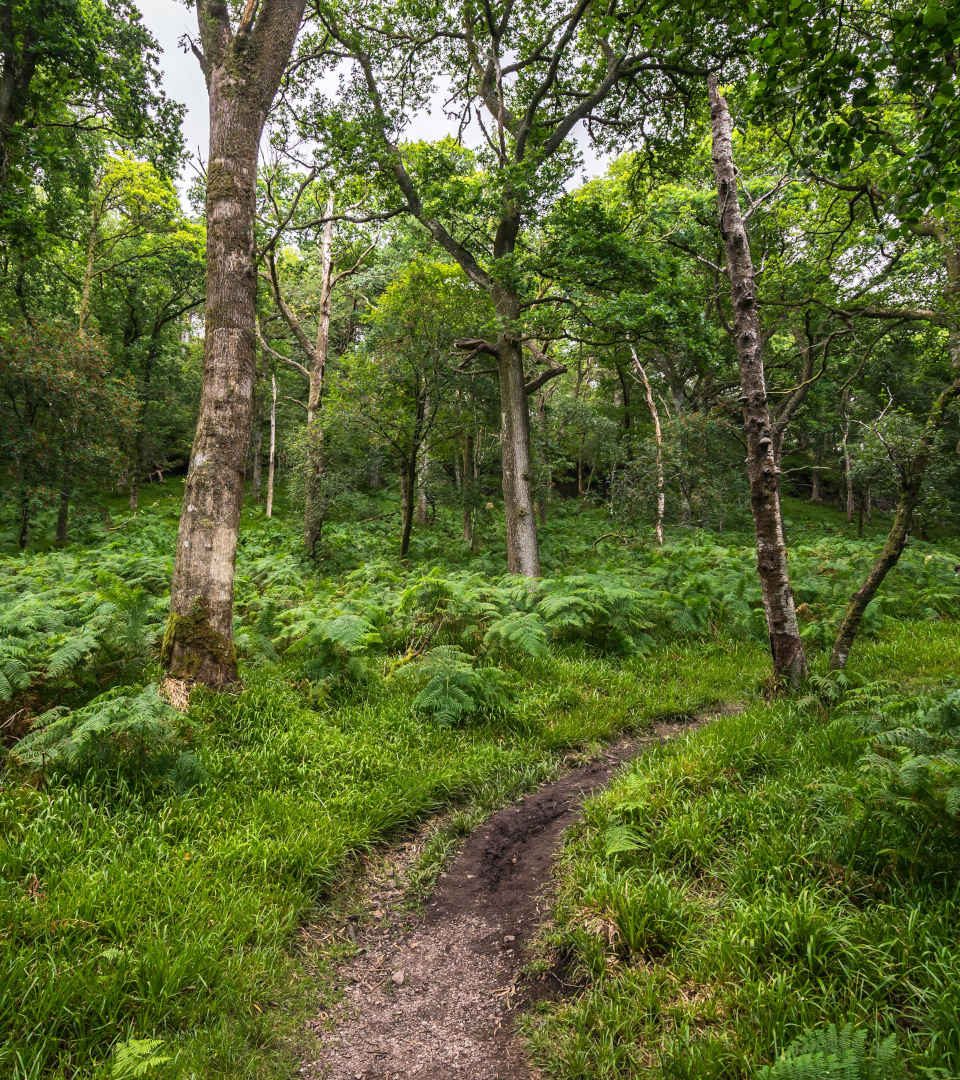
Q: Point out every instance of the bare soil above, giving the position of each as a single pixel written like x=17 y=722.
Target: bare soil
x=433 y=997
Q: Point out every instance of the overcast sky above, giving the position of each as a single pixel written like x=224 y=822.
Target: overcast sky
x=169 y=20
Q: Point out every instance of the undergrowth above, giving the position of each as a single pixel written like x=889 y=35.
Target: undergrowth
x=155 y=869
x=778 y=872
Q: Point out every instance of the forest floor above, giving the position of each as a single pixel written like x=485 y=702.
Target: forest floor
x=432 y=996
x=191 y=905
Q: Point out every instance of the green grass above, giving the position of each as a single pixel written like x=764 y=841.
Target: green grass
x=147 y=912
x=725 y=895
x=174 y=918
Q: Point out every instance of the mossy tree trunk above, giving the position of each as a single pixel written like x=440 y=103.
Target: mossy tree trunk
x=763 y=472
x=242 y=67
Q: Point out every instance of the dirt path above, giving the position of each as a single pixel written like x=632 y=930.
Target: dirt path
x=432 y=999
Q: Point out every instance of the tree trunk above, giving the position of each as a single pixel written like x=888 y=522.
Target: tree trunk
x=523 y=555
x=850 y=499
x=272 y=461
x=408 y=483
x=423 y=503
x=23 y=533
x=786 y=647
x=911 y=483
x=242 y=67
x=658 y=441
x=468 y=489
x=256 y=460
x=316 y=466
x=63 y=516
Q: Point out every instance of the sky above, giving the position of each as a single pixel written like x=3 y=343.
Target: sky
x=169 y=20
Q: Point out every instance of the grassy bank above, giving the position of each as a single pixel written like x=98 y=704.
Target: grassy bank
x=752 y=882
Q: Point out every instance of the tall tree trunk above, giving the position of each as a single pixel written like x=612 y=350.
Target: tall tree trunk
x=272 y=459
x=658 y=443
x=523 y=553
x=786 y=647
x=242 y=68
x=314 y=501
x=468 y=488
x=256 y=459
x=850 y=496
x=911 y=483
x=408 y=484
x=423 y=503
x=23 y=532
x=63 y=516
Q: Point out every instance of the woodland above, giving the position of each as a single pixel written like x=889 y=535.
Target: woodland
x=357 y=483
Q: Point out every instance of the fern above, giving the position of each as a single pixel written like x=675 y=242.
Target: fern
x=836 y=1053
x=519 y=632
x=455 y=691
x=137 y=1057
x=121 y=733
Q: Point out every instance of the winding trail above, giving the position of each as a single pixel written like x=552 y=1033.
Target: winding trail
x=433 y=999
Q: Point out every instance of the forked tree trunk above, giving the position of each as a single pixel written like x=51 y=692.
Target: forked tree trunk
x=658 y=443
x=272 y=459
x=911 y=483
x=786 y=647
x=523 y=555
x=242 y=68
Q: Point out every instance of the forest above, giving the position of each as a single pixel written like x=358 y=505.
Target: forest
x=480 y=540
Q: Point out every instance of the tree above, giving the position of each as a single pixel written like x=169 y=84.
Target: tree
x=243 y=67
x=63 y=415
x=293 y=213
x=532 y=73
x=789 y=661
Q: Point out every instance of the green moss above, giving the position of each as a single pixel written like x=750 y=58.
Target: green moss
x=192 y=646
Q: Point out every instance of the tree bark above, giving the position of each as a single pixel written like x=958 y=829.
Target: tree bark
x=786 y=647
x=658 y=442
x=63 y=516
x=314 y=504
x=23 y=532
x=523 y=554
x=408 y=483
x=272 y=459
x=242 y=68
x=468 y=489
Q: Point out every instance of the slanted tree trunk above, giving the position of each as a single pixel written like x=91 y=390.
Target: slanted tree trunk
x=658 y=443
x=786 y=646
x=272 y=459
x=911 y=477
x=242 y=68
